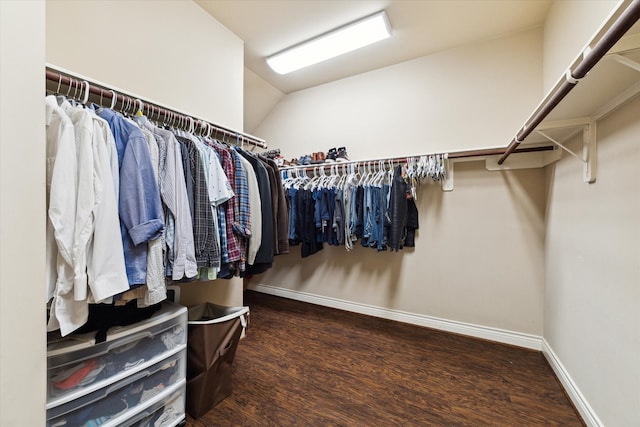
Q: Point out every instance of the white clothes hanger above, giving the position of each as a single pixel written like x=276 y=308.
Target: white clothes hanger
x=75 y=91
x=125 y=104
x=59 y=83
x=68 y=95
x=114 y=99
x=69 y=88
x=86 y=93
x=337 y=178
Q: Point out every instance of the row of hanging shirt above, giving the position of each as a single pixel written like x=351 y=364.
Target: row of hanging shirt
x=371 y=201
x=131 y=205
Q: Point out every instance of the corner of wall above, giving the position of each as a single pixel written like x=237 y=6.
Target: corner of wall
x=260 y=98
x=577 y=398
x=567 y=29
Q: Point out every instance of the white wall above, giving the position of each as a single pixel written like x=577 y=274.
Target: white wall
x=171 y=52
x=22 y=214
x=479 y=255
x=474 y=96
x=592 y=251
x=570 y=24
x=592 y=297
x=259 y=99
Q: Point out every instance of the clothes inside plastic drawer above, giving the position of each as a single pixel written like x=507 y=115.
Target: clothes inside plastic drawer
x=167 y=412
x=114 y=402
x=84 y=368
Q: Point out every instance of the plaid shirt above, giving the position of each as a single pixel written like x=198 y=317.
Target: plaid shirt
x=233 y=248
x=207 y=253
x=242 y=220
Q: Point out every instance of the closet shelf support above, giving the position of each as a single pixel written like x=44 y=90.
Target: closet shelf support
x=447 y=181
x=589 y=146
x=626 y=61
x=559 y=144
x=627 y=14
x=589 y=152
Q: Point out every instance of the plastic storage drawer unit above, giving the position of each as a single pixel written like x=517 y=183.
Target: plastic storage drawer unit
x=76 y=366
x=166 y=412
x=121 y=401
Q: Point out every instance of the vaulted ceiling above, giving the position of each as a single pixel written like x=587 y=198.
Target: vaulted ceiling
x=420 y=27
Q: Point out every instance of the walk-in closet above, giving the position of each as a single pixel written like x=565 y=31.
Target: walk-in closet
x=441 y=227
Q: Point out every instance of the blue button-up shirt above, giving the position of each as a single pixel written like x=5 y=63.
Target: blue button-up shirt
x=139 y=204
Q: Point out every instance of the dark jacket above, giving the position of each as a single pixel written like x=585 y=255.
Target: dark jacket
x=397 y=212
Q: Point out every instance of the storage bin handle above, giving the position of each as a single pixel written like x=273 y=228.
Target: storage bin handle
x=135 y=337
x=130 y=380
x=225 y=349
x=107 y=391
x=138 y=417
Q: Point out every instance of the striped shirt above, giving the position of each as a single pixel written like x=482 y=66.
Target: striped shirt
x=181 y=259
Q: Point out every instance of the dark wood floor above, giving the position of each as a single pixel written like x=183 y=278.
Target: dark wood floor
x=306 y=365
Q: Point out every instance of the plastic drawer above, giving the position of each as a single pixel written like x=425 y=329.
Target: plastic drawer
x=76 y=366
x=118 y=402
x=168 y=411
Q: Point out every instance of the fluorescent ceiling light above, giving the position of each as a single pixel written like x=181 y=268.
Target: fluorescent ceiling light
x=334 y=43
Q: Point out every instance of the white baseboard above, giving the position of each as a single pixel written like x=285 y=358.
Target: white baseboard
x=493 y=334
x=579 y=401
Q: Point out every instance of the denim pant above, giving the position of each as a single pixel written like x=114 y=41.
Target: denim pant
x=293 y=213
x=377 y=221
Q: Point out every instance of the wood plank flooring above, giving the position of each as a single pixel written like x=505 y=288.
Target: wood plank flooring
x=306 y=365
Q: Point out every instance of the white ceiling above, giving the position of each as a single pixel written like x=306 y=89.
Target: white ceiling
x=420 y=27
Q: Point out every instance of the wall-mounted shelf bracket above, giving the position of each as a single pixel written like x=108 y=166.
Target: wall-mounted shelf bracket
x=589 y=153
x=447 y=182
x=589 y=146
x=625 y=61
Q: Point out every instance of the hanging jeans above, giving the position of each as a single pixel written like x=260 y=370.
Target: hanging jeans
x=350 y=216
x=375 y=240
x=293 y=213
x=317 y=213
x=367 y=218
x=338 y=217
x=329 y=199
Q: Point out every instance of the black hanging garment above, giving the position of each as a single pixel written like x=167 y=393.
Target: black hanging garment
x=307 y=226
x=398 y=207
x=359 y=208
x=264 y=257
x=412 y=223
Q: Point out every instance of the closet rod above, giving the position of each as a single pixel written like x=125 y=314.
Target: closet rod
x=451 y=155
x=77 y=86
x=614 y=33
